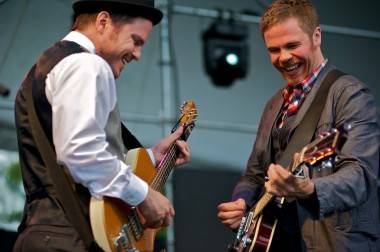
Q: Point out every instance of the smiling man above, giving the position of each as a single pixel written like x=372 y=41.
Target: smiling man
x=72 y=87
x=336 y=209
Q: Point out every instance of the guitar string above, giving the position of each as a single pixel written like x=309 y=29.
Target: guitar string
x=166 y=167
x=163 y=168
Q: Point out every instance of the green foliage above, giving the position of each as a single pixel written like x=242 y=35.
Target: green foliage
x=13 y=194
x=13 y=173
x=14 y=216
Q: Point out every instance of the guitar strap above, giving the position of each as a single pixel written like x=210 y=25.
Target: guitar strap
x=129 y=140
x=305 y=131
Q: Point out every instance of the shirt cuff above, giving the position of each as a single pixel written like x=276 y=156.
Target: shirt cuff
x=136 y=192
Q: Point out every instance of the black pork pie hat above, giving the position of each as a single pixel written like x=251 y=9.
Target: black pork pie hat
x=134 y=8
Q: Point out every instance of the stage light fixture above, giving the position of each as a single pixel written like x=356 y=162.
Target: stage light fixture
x=225 y=52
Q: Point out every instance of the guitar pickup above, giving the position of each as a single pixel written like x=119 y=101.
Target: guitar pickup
x=123 y=241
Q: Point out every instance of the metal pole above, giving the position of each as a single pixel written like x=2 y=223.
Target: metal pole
x=169 y=101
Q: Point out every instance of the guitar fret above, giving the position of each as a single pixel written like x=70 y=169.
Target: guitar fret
x=167 y=164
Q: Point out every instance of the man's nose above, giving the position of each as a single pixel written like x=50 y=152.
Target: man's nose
x=285 y=56
x=137 y=54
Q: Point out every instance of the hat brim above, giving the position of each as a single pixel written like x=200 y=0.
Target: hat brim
x=134 y=10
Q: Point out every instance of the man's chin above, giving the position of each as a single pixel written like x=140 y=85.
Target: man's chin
x=292 y=79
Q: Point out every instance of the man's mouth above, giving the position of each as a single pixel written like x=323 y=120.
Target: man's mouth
x=291 y=68
x=126 y=59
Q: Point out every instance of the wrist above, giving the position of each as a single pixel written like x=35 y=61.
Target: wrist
x=309 y=190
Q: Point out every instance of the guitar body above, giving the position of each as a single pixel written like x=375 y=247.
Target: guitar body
x=262 y=232
x=109 y=215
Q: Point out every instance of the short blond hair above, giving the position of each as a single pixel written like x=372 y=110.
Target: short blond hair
x=281 y=10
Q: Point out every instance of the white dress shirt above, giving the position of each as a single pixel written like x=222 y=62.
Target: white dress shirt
x=81 y=91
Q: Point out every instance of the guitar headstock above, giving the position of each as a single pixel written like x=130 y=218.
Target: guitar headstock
x=322 y=147
x=187 y=119
x=188 y=113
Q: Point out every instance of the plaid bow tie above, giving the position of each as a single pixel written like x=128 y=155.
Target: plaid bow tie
x=293 y=97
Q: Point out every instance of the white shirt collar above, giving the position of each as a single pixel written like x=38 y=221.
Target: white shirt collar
x=80 y=39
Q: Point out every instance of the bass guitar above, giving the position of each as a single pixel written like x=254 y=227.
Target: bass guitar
x=117 y=226
x=256 y=228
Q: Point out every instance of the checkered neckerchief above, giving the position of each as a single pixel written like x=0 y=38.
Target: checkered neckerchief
x=294 y=95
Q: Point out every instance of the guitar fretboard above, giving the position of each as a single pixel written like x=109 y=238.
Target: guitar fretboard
x=261 y=204
x=168 y=162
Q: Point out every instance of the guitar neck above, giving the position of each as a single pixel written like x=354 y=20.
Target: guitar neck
x=168 y=162
x=164 y=169
x=261 y=204
x=266 y=198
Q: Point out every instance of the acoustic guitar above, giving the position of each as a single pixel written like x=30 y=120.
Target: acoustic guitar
x=117 y=226
x=257 y=228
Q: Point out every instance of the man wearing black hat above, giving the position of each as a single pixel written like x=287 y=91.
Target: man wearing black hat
x=72 y=87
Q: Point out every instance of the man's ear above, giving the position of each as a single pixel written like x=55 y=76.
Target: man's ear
x=317 y=36
x=102 y=20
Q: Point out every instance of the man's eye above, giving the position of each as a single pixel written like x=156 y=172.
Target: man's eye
x=292 y=46
x=274 y=50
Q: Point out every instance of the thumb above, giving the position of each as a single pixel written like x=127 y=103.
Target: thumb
x=296 y=156
x=240 y=203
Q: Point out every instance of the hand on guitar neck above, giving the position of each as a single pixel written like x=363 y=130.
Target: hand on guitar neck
x=161 y=149
x=283 y=184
